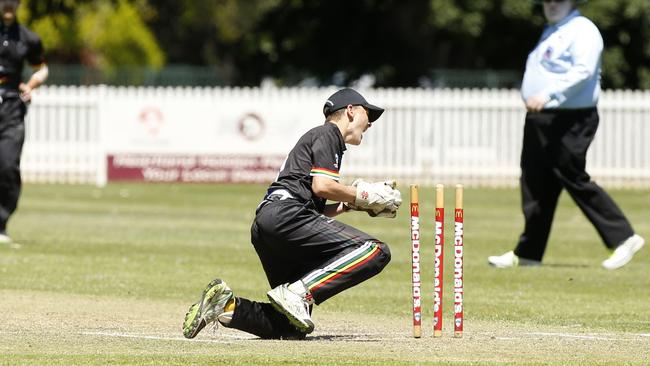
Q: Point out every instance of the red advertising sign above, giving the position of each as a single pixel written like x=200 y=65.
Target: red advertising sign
x=194 y=168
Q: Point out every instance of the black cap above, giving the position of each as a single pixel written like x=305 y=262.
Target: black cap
x=347 y=96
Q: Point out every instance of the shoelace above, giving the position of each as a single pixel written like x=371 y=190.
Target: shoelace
x=303 y=307
x=215 y=327
x=218 y=309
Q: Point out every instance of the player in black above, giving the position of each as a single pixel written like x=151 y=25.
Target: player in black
x=17 y=45
x=308 y=256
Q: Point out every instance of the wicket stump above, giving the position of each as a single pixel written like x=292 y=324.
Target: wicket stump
x=415 y=261
x=438 y=262
x=458 y=263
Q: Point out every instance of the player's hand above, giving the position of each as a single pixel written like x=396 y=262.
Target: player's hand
x=379 y=199
x=387 y=213
x=25 y=92
x=537 y=102
x=394 y=194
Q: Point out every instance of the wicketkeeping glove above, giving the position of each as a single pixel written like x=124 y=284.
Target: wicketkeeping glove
x=387 y=212
x=379 y=199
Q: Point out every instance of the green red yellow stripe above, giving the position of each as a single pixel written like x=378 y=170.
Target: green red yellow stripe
x=342 y=266
x=322 y=172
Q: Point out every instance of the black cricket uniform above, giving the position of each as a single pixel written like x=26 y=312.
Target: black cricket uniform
x=17 y=45
x=295 y=241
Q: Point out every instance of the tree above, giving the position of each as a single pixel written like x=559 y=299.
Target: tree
x=328 y=41
x=100 y=34
x=626 y=31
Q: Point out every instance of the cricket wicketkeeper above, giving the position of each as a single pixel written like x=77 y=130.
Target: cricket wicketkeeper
x=308 y=256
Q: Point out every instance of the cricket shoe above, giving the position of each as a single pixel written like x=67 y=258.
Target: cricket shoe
x=211 y=305
x=4 y=238
x=624 y=252
x=510 y=259
x=293 y=306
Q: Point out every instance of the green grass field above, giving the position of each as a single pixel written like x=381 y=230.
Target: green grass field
x=105 y=276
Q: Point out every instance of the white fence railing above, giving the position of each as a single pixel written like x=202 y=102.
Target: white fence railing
x=64 y=139
x=425 y=136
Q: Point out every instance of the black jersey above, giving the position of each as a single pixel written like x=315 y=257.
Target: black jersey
x=17 y=45
x=318 y=153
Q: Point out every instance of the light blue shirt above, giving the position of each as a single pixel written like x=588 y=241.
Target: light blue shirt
x=565 y=65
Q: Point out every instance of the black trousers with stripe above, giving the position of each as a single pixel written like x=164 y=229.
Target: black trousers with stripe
x=294 y=243
x=553 y=158
x=12 y=136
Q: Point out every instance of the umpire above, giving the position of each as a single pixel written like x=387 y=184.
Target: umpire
x=19 y=44
x=560 y=88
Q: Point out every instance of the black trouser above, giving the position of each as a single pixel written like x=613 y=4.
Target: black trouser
x=12 y=136
x=554 y=158
x=294 y=243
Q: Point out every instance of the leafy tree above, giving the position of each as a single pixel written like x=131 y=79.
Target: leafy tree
x=327 y=41
x=102 y=34
x=626 y=31
x=221 y=33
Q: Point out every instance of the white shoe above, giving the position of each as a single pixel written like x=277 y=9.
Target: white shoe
x=294 y=306
x=624 y=253
x=510 y=259
x=5 y=239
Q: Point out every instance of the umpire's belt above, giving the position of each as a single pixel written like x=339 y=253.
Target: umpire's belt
x=275 y=195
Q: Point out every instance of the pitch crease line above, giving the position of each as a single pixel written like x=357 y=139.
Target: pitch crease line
x=161 y=338
x=580 y=336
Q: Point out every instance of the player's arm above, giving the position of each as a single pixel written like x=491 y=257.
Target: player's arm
x=371 y=197
x=334 y=209
x=334 y=191
x=39 y=76
x=34 y=57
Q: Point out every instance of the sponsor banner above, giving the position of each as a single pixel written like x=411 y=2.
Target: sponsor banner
x=208 y=135
x=168 y=122
x=190 y=168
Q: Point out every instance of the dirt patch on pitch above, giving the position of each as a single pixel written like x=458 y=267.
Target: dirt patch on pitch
x=52 y=324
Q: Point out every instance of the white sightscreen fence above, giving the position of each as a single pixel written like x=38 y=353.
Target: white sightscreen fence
x=63 y=138
x=425 y=136
x=466 y=136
